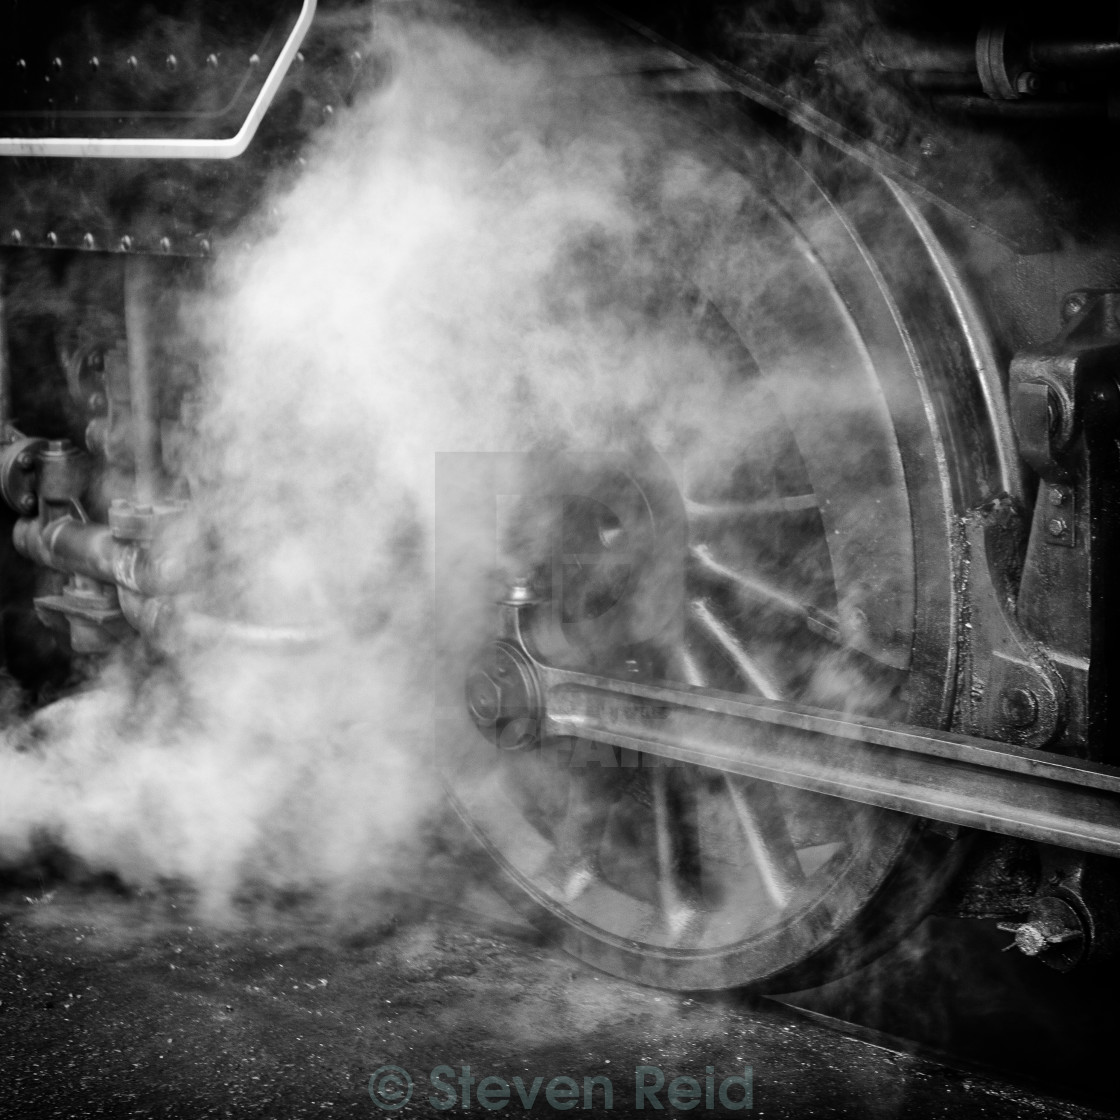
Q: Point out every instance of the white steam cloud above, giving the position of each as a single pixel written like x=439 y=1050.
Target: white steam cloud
x=501 y=249
x=476 y=259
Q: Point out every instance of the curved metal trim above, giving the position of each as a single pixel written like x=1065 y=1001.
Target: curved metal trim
x=977 y=340
x=152 y=148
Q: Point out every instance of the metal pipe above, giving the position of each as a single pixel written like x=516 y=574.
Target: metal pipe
x=162 y=620
x=139 y=293
x=888 y=50
x=81 y=548
x=1082 y=56
x=894 y=51
x=1026 y=109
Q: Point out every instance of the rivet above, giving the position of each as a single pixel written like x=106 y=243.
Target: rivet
x=171 y=62
x=328 y=112
x=356 y=58
x=254 y=60
x=87 y=241
x=299 y=58
x=212 y=61
x=21 y=64
x=132 y=62
x=52 y=239
x=165 y=244
x=1073 y=304
x=94 y=62
x=125 y=243
x=1056 y=527
x=56 y=64
x=204 y=245
x=15 y=237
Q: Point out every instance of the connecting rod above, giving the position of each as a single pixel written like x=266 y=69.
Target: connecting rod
x=521 y=702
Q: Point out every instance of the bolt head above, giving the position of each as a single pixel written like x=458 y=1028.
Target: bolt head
x=520 y=592
x=1056 y=527
x=1057 y=497
x=484 y=699
x=1073 y=304
x=1030 y=939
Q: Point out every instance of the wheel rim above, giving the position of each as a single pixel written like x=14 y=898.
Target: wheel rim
x=682 y=878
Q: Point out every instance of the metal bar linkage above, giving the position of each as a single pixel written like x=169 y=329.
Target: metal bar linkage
x=941 y=775
x=948 y=777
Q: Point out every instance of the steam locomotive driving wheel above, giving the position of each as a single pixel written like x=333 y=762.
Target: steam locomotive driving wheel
x=807 y=558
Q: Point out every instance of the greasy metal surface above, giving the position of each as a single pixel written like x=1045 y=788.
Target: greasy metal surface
x=1009 y=688
x=90 y=550
x=1066 y=409
x=953 y=778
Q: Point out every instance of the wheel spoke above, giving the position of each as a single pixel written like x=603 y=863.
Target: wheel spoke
x=678 y=908
x=763 y=822
x=761 y=592
x=579 y=833
x=714 y=628
x=682 y=665
x=706 y=514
